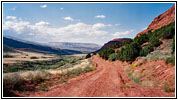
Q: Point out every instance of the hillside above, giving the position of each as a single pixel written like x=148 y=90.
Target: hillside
x=8 y=49
x=30 y=46
x=112 y=43
x=149 y=59
x=161 y=28
x=162 y=20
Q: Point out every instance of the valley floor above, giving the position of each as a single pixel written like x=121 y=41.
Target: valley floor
x=108 y=80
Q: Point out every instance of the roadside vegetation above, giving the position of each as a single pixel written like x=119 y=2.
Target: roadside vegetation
x=57 y=63
x=141 y=45
x=32 y=65
x=26 y=76
x=8 y=56
x=33 y=57
x=40 y=80
x=88 y=56
x=151 y=46
x=172 y=58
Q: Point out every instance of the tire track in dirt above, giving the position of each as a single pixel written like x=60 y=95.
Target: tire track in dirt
x=74 y=87
x=106 y=81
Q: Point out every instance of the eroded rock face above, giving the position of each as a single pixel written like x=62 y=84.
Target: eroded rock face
x=161 y=20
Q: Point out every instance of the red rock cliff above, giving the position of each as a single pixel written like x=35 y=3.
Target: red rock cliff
x=161 y=20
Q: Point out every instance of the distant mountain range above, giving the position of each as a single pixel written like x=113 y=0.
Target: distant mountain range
x=82 y=47
x=61 y=48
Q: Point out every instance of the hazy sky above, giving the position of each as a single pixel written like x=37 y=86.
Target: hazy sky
x=78 y=22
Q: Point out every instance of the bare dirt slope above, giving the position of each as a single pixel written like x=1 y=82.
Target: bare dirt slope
x=106 y=81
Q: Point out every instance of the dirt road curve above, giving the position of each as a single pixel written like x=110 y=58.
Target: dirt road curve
x=106 y=81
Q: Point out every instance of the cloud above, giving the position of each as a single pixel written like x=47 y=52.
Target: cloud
x=13 y=9
x=42 y=23
x=120 y=33
x=117 y=24
x=100 y=16
x=109 y=25
x=100 y=25
x=42 y=31
x=43 y=6
x=61 y=8
x=68 y=18
x=10 y=17
x=16 y=26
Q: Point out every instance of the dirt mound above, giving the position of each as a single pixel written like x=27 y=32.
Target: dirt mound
x=162 y=20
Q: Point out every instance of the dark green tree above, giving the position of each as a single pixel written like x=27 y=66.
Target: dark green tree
x=131 y=52
x=88 y=56
x=127 y=42
x=155 y=42
x=106 y=52
x=141 y=39
x=146 y=50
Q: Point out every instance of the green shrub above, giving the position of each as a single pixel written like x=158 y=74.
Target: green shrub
x=167 y=87
x=7 y=56
x=72 y=61
x=88 y=56
x=94 y=53
x=130 y=52
x=33 y=57
x=113 y=56
x=61 y=63
x=146 y=50
x=155 y=42
x=135 y=79
x=173 y=45
x=13 y=81
x=141 y=39
x=44 y=57
x=168 y=31
x=88 y=69
x=116 y=46
x=38 y=77
x=105 y=53
x=15 y=68
x=75 y=72
x=134 y=65
x=171 y=60
x=126 y=42
x=43 y=89
x=120 y=54
x=127 y=85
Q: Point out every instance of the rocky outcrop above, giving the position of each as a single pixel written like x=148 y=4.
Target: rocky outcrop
x=161 y=20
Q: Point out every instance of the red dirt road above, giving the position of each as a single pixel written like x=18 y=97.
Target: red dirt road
x=106 y=81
